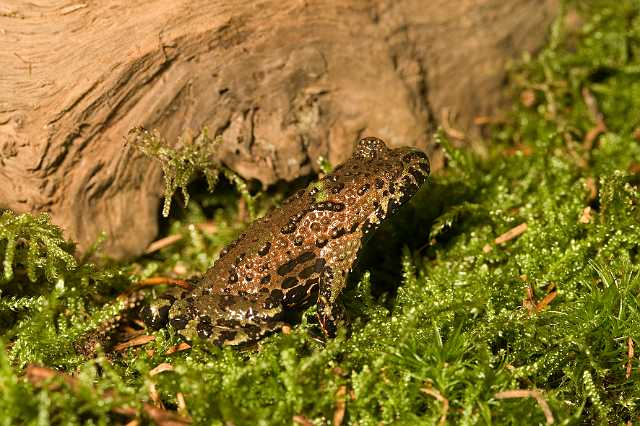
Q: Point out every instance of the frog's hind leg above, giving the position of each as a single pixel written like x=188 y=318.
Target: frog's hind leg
x=239 y=333
x=104 y=334
x=225 y=319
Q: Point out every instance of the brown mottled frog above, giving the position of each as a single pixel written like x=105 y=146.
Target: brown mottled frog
x=296 y=255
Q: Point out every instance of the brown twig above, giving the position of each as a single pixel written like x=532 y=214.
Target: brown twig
x=586 y=217
x=162 y=243
x=529 y=301
x=341 y=404
x=630 y=352
x=590 y=185
x=526 y=150
x=481 y=120
x=446 y=126
x=596 y=116
x=136 y=341
x=161 y=368
x=38 y=375
x=153 y=281
x=302 y=420
x=182 y=346
x=206 y=227
x=592 y=135
x=155 y=397
x=511 y=233
x=592 y=105
x=445 y=403
x=182 y=405
x=546 y=300
x=526 y=393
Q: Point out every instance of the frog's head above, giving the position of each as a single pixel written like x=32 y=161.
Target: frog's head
x=380 y=180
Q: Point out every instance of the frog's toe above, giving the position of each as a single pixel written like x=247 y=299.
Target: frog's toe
x=331 y=318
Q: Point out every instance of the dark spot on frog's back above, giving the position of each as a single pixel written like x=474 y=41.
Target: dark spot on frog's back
x=319 y=265
x=265 y=249
x=285 y=268
x=226 y=336
x=274 y=299
x=252 y=330
x=289 y=282
x=295 y=296
x=337 y=233
x=306 y=256
x=337 y=188
x=363 y=189
x=409 y=186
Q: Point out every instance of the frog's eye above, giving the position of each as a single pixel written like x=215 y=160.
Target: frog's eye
x=370 y=148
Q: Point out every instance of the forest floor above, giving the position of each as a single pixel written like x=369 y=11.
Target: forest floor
x=512 y=296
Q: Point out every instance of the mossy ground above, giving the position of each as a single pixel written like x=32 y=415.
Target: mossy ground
x=445 y=331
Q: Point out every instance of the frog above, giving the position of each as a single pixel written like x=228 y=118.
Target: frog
x=296 y=255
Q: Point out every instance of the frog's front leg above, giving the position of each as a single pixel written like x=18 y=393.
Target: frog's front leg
x=333 y=280
x=330 y=311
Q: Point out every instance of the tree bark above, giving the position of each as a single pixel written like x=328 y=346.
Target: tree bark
x=283 y=82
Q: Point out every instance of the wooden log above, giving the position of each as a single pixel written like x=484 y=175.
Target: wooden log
x=283 y=82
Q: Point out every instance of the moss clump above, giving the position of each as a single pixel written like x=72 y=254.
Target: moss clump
x=536 y=327
x=180 y=165
x=34 y=246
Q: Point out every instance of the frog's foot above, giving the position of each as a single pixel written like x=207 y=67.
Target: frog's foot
x=104 y=334
x=331 y=318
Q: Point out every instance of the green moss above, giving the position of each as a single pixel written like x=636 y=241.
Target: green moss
x=180 y=165
x=447 y=314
